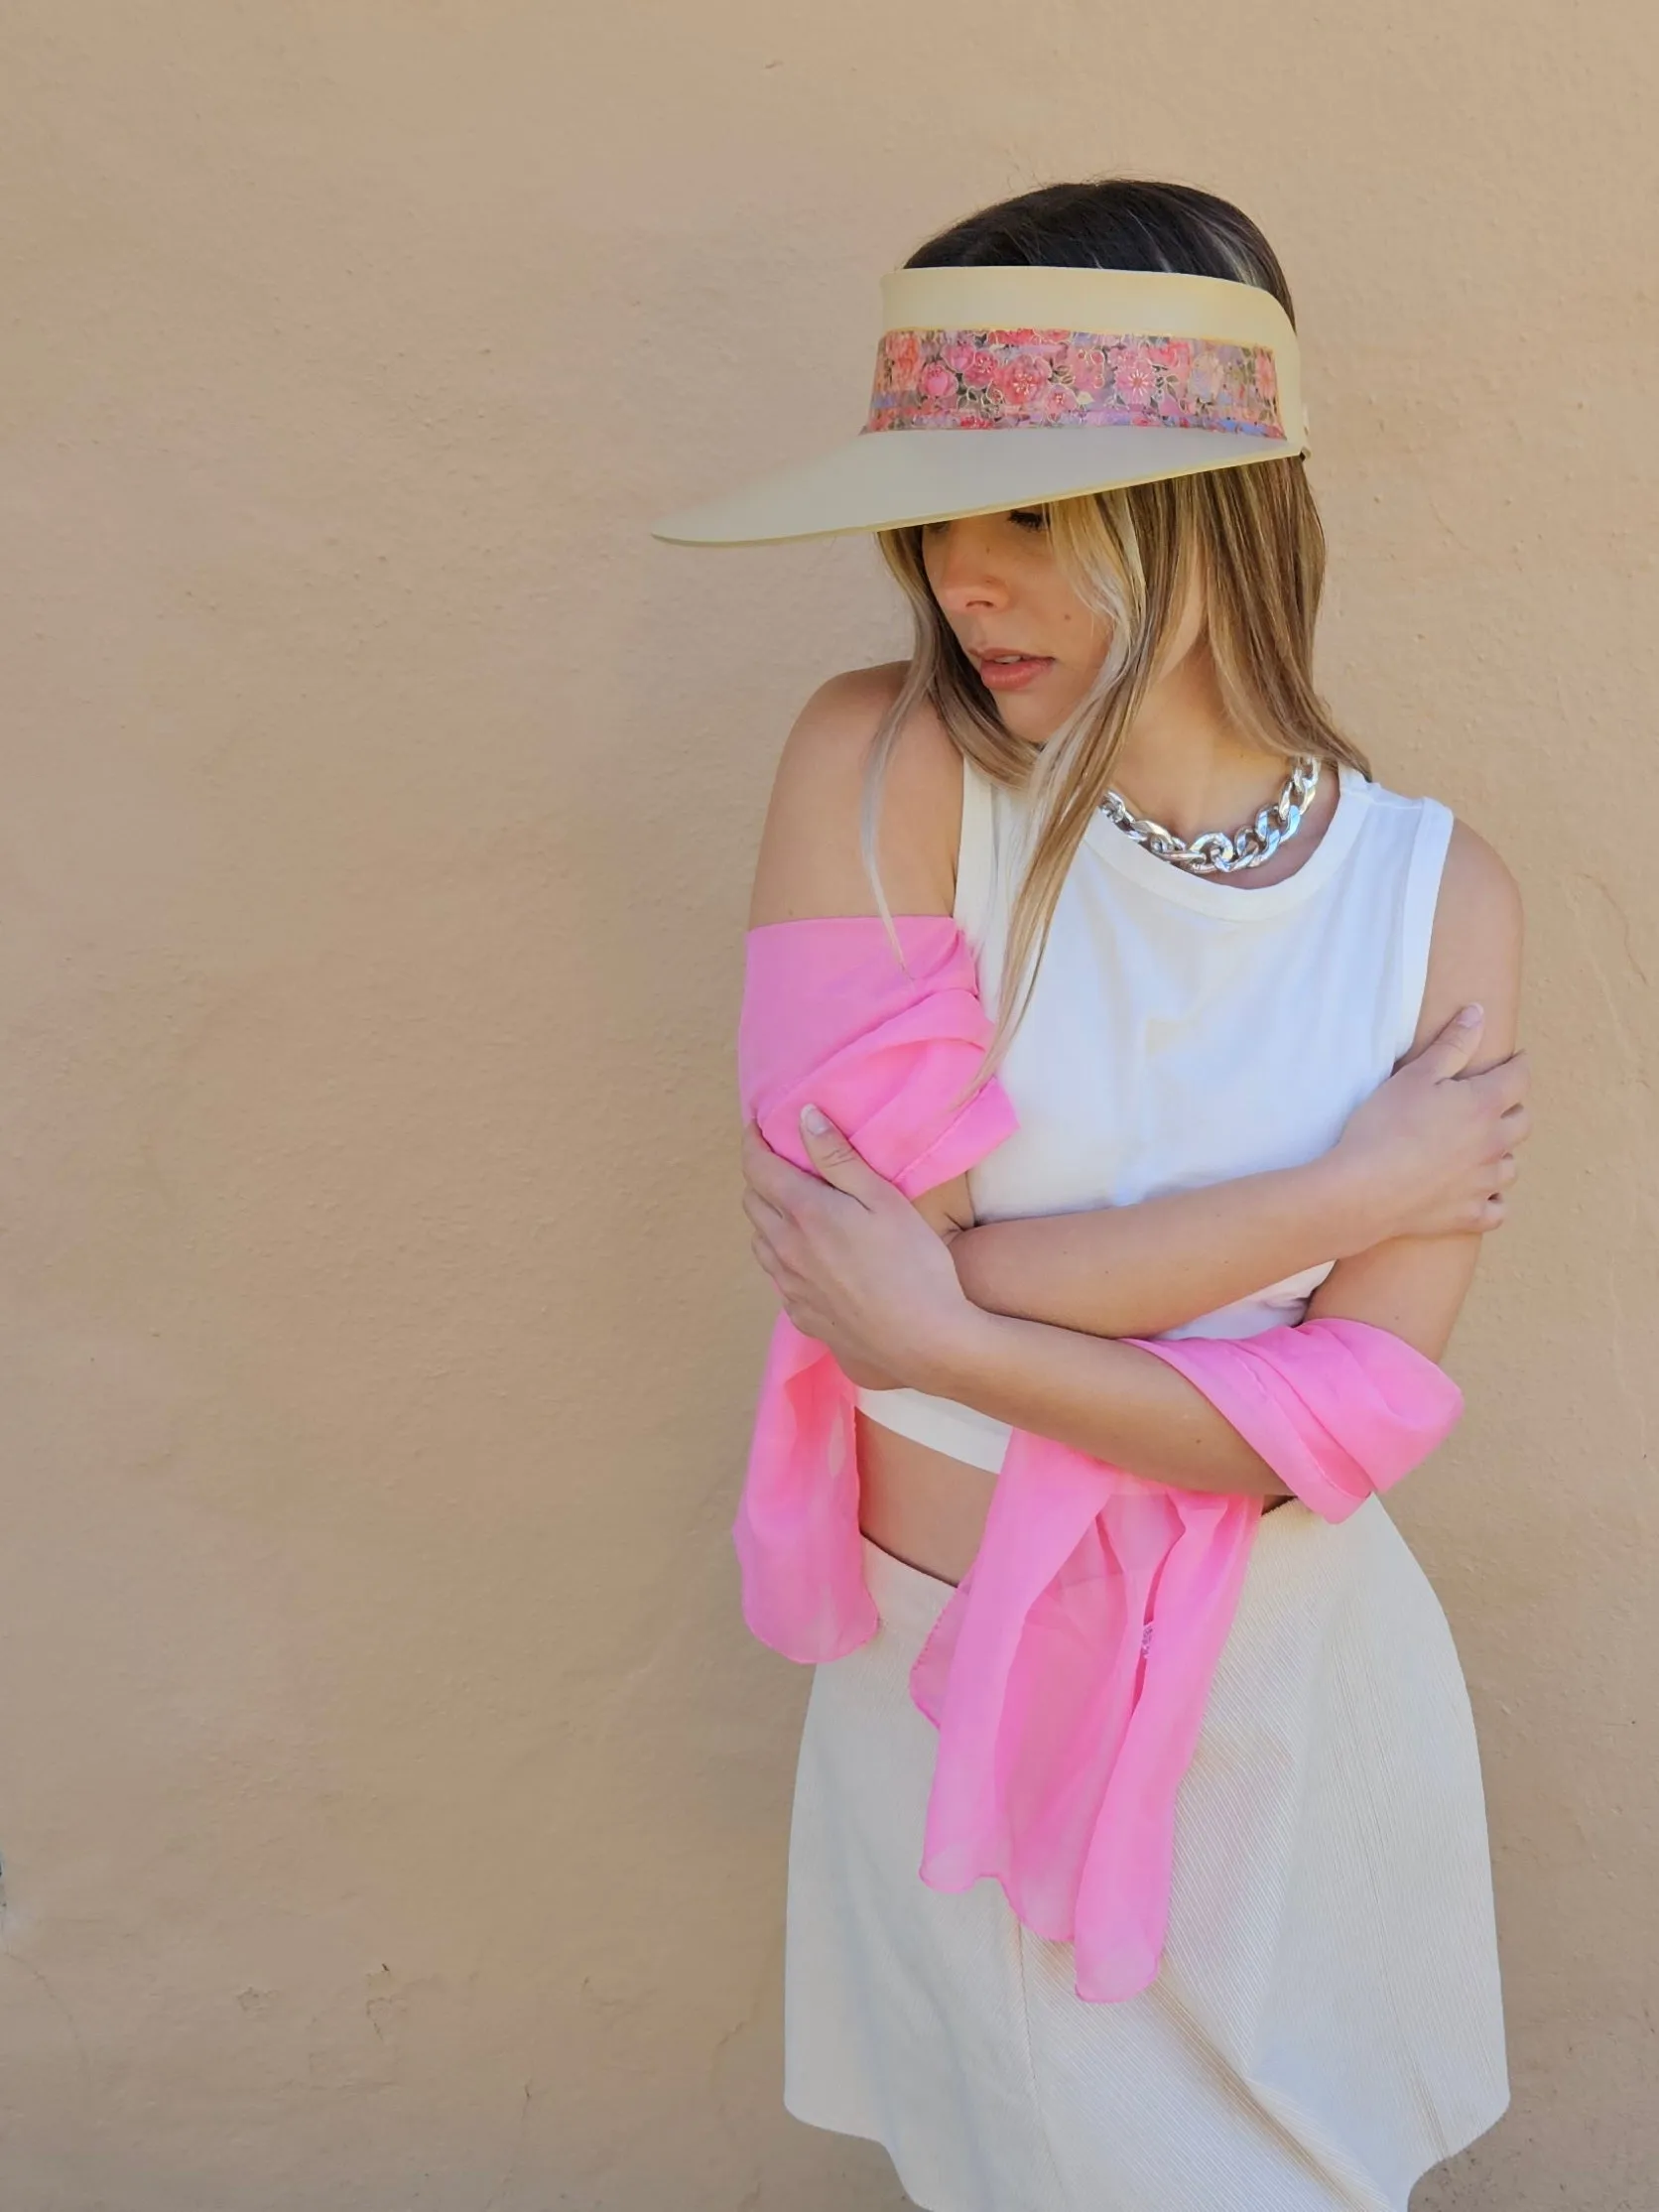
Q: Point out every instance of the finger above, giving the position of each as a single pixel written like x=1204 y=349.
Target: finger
x=776 y=1178
x=1507 y=1133
x=751 y=1145
x=756 y=1157
x=1508 y=1083
x=797 y=1305
x=763 y=1214
x=772 y=1263
x=836 y=1161
x=1453 y=1048
x=765 y=1250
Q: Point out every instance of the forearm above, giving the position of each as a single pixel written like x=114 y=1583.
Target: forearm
x=1113 y=1401
x=1139 y=1270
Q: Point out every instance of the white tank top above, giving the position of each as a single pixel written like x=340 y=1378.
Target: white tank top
x=1184 y=1030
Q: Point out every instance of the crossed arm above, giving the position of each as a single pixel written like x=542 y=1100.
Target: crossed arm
x=1019 y=1317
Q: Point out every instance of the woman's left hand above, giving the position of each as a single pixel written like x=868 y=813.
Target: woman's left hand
x=854 y=1262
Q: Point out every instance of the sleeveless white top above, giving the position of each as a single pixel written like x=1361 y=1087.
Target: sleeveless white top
x=1184 y=1030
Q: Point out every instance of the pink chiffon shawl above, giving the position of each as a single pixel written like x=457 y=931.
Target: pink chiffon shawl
x=1066 y=1674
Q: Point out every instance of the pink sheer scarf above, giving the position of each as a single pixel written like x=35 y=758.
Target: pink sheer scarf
x=1067 y=1673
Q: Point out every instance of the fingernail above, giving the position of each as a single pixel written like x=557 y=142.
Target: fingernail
x=1470 y=1015
x=811 y=1119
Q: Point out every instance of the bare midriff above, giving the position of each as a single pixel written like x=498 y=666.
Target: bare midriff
x=921 y=1506
x=924 y=1507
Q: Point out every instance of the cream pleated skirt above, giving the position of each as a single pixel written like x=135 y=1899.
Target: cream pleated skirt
x=1326 y=2023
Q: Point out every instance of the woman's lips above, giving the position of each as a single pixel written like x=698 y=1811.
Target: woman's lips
x=1013 y=676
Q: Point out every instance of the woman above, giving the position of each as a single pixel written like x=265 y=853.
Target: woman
x=1114 y=594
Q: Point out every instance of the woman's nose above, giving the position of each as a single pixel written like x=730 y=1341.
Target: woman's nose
x=963 y=568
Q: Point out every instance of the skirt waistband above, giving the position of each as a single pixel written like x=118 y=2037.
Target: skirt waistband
x=906 y=1596
x=909 y=1600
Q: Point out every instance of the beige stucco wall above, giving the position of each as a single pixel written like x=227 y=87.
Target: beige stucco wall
x=392 y=1807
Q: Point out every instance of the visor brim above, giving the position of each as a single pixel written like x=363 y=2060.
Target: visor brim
x=890 y=480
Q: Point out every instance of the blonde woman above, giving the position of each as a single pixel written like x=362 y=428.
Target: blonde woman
x=1206 y=939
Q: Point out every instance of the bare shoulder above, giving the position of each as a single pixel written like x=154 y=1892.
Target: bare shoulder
x=1475 y=953
x=810 y=861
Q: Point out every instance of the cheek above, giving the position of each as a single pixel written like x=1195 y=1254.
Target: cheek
x=1081 y=635
x=1077 y=628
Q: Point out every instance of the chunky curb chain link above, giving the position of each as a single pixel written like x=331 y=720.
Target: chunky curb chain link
x=1215 y=853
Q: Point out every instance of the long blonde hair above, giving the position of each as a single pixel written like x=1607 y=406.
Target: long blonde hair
x=1250 y=535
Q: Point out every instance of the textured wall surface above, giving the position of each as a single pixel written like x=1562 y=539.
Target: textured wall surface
x=392 y=1807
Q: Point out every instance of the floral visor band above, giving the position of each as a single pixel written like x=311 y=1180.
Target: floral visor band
x=1009 y=379
x=1107 y=377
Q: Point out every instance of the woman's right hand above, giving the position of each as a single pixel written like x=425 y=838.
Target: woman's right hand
x=1432 y=1151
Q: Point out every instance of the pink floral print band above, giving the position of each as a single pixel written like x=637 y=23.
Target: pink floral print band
x=1001 y=379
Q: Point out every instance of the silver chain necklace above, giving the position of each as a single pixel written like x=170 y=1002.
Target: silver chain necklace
x=1214 y=853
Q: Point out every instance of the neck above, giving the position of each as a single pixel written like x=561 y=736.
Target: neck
x=1185 y=764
